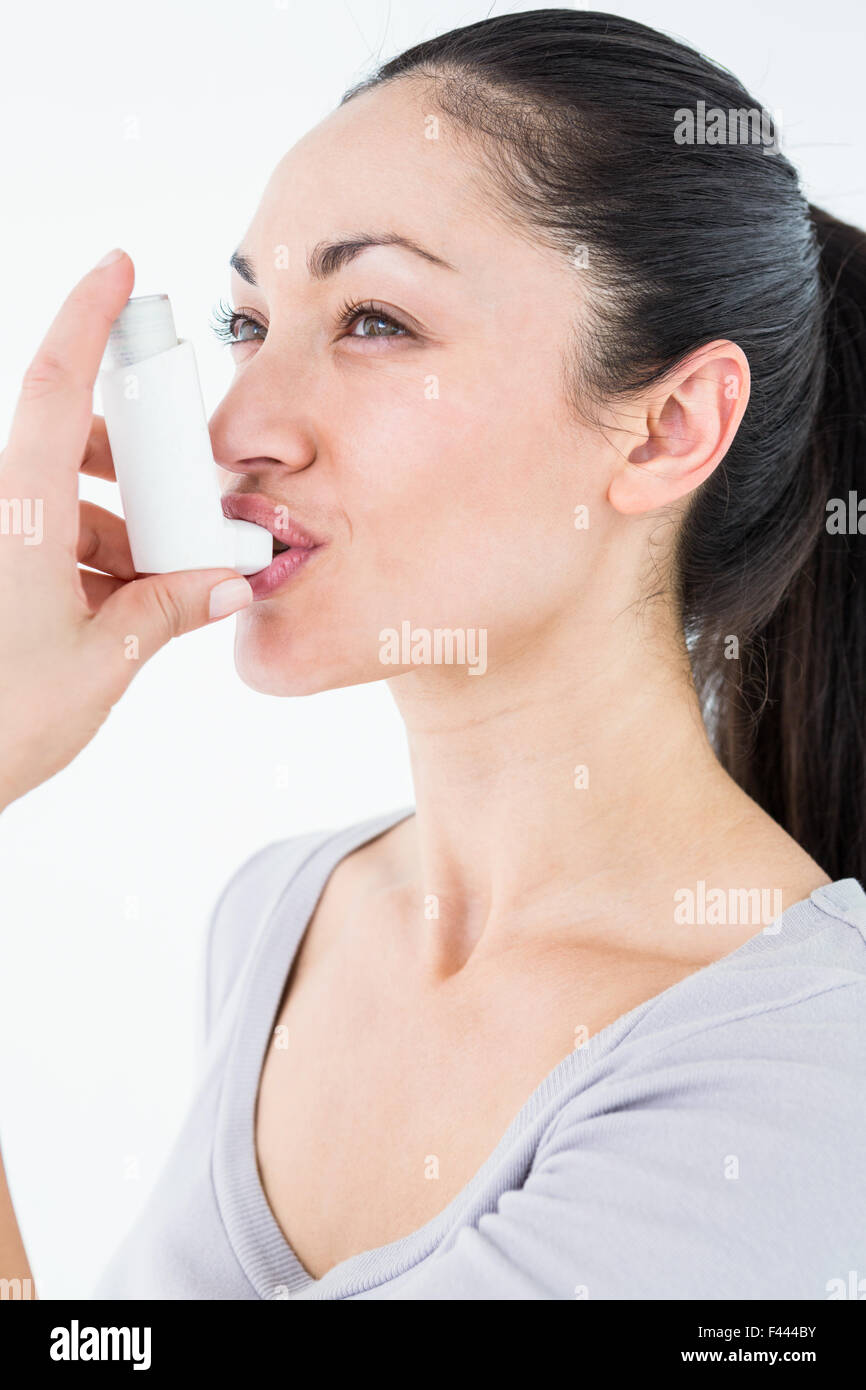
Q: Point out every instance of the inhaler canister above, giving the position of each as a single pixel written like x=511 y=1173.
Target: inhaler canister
x=157 y=428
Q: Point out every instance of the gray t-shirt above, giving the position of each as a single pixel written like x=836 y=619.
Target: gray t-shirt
x=709 y=1144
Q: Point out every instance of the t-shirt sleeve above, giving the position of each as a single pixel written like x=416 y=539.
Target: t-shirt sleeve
x=726 y=1164
x=239 y=915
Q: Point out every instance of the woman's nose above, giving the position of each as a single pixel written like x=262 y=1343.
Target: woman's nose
x=261 y=425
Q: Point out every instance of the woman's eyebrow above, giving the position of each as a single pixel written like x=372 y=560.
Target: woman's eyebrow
x=244 y=267
x=327 y=257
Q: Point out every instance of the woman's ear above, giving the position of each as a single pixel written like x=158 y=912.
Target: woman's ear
x=684 y=428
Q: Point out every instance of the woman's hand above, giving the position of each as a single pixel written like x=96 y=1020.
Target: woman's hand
x=72 y=640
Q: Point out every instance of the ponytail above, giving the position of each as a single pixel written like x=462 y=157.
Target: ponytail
x=795 y=740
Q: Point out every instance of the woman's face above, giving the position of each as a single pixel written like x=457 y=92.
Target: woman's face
x=425 y=442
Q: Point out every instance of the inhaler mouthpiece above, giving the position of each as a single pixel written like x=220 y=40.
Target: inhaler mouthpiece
x=157 y=429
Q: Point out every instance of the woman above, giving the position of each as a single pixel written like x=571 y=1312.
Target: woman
x=527 y=365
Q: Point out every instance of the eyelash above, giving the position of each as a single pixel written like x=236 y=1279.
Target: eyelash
x=226 y=319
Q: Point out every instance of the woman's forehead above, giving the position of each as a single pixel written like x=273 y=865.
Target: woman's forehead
x=373 y=157
x=378 y=166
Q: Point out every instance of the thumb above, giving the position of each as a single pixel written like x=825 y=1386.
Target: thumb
x=161 y=606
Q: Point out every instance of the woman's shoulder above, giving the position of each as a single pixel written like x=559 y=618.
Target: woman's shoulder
x=726 y=1114
x=806 y=965
x=773 y=1033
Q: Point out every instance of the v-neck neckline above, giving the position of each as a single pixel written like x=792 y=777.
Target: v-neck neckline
x=266 y=1257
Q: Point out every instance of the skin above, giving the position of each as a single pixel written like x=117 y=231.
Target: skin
x=411 y=1036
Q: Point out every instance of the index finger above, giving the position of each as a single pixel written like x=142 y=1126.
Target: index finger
x=52 y=419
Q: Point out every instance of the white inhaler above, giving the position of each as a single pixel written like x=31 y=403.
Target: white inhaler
x=157 y=429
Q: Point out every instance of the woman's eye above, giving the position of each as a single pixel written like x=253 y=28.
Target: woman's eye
x=233 y=326
x=243 y=330
x=376 y=326
x=246 y=330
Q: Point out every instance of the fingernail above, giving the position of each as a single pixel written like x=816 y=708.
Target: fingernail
x=228 y=596
x=110 y=257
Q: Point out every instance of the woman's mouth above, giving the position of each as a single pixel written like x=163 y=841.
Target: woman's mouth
x=293 y=545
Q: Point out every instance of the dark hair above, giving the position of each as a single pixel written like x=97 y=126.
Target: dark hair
x=687 y=243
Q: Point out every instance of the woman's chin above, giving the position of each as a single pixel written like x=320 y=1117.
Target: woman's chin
x=292 y=667
x=266 y=681
x=279 y=676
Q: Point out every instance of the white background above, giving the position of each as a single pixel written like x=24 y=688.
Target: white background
x=154 y=126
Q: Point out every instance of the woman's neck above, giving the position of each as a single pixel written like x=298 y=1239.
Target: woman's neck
x=564 y=785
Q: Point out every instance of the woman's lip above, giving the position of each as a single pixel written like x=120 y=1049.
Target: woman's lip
x=263 y=511
x=281 y=569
